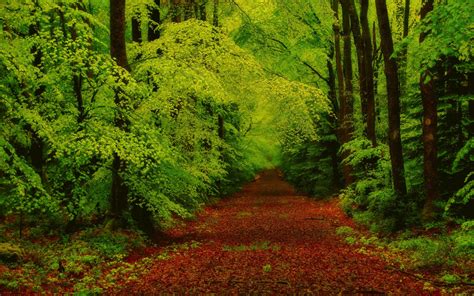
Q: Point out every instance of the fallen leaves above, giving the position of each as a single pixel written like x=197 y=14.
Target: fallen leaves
x=268 y=240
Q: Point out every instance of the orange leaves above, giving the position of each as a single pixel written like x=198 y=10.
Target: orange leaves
x=268 y=240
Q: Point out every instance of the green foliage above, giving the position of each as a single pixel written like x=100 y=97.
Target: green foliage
x=450 y=34
x=465 y=195
x=442 y=250
x=344 y=230
x=371 y=199
x=425 y=252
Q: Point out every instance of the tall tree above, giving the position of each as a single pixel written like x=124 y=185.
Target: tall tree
x=393 y=95
x=364 y=57
x=404 y=52
x=337 y=49
x=430 y=123
x=369 y=71
x=346 y=105
x=119 y=54
x=338 y=93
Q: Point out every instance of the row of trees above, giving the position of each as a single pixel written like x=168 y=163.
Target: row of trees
x=431 y=86
x=405 y=136
x=134 y=122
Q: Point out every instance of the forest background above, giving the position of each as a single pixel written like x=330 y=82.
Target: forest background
x=133 y=115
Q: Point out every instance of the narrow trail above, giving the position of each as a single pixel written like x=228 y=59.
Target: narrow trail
x=268 y=240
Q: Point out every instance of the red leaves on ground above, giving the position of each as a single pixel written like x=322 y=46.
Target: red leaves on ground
x=268 y=240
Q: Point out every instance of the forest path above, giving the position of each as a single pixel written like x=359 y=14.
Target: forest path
x=266 y=239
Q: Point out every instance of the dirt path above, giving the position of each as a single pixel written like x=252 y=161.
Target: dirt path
x=268 y=240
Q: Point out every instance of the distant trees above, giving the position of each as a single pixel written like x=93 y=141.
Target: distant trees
x=379 y=176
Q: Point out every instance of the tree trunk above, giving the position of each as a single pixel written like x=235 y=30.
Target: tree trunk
x=347 y=107
x=364 y=58
x=155 y=21
x=348 y=7
x=136 y=30
x=469 y=89
x=118 y=202
x=338 y=97
x=404 y=53
x=430 y=123
x=337 y=50
x=334 y=145
x=406 y=18
x=369 y=72
x=393 y=95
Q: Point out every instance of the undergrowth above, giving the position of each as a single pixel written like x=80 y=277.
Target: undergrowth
x=451 y=252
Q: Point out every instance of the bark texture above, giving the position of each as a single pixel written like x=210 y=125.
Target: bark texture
x=393 y=96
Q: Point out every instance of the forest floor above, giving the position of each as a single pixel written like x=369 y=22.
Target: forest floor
x=267 y=239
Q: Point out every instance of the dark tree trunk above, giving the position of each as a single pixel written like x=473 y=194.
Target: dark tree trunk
x=364 y=58
x=334 y=145
x=346 y=105
x=338 y=96
x=406 y=18
x=369 y=72
x=375 y=59
x=136 y=30
x=337 y=51
x=118 y=49
x=404 y=53
x=470 y=90
x=348 y=7
x=118 y=202
x=221 y=129
x=430 y=125
x=155 y=21
x=393 y=94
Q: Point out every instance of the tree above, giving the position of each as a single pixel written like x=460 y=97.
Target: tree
x=118 y=51
x=393 y=96
x=364 y=57
x=369 y=72
x=403 y=54
x=136 y=29
x=339 y=69
x=430 y=122
x=346 y=104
